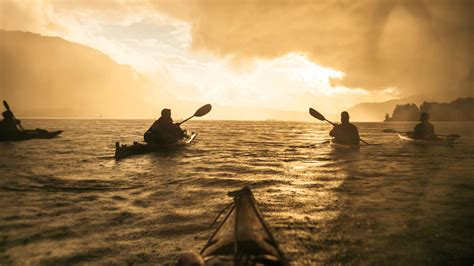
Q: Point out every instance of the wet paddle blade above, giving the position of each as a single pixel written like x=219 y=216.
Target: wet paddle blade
x=203 y=110
x=6 y=105
x=389 y=130
x=316 y=114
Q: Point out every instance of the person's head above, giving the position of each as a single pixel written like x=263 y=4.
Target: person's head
x=7 y=115
x=166 y=113
x=424 y=117
x=344 y=117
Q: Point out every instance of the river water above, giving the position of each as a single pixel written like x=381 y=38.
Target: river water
x=66 y=200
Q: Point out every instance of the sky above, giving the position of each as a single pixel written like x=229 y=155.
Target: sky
x=285 y=55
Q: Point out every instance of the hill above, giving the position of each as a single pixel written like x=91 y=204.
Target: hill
x=50 y=77
x=43 y=76
x=376 y=111
x=459 y=110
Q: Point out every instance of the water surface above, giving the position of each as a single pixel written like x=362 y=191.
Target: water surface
x=66 y=200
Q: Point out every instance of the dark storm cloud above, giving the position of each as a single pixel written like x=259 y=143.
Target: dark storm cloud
x=416 y=46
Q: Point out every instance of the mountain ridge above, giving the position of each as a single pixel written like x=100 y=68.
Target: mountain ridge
x=50 y=73
x=376 y=111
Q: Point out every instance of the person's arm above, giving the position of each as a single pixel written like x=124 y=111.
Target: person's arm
x=432 y=133
x=152 y=125
x=417 y=132
x=17 y=124
x=332 y=133
x=356 y=135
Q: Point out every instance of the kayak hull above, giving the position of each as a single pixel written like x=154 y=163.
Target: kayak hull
x=31 y=134
x=339 y=146
x=243 y=236
x=123 y=151
x=442 y=142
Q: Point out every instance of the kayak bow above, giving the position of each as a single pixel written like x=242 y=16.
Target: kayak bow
x=243 y=238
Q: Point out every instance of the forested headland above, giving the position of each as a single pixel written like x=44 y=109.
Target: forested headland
x=459 y=110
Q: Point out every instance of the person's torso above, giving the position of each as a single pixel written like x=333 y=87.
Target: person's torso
x=424 y=131
x=347 y=134
x=8 y=126
x=163 y=124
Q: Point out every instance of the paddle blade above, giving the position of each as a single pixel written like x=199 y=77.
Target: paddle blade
x=6 y=105
x=389 y=130
x=316 y=114
x=203 y=110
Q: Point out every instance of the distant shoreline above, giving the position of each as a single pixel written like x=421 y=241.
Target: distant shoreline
x=459 y=110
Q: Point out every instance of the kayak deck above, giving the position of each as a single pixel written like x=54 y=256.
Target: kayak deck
x=243 y=238
x=442 y=142
x=123 y=151
x=31 y=134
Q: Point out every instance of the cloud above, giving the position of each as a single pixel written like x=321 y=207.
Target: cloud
x=416 y=46
x=34 y=16
x=57 y=16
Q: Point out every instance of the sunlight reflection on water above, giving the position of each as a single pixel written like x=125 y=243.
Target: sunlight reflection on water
x=67 y=200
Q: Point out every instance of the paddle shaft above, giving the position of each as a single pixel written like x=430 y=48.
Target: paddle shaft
x=330 y=122
x=185 y=120
x=204 y=110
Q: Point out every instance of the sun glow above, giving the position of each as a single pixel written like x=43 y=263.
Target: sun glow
x=281 y=83
x=163 y=49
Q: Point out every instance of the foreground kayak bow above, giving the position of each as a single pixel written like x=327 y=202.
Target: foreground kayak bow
x=243 y=238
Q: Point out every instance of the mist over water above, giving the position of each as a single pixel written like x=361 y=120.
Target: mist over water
x=67 y=200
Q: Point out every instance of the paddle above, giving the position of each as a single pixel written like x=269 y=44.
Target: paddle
x=7 y=106
x=321 y=117
x=204 y=110
x=390 y=130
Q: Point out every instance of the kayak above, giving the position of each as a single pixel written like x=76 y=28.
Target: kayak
x=123 y=151
x=31 y=134
x=243 y=238
x=448 y=141
x=340 y=146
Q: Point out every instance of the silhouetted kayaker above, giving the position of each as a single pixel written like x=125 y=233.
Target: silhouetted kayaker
x=424 y=129
x=164 y=130
x=345 y=133
x=9 y=124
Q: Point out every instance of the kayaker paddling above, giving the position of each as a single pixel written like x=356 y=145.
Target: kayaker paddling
x=11 y=129
x=424 y=130
x=164 y=130
x=163 y=135
x=345 y=133
x=445 y=140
